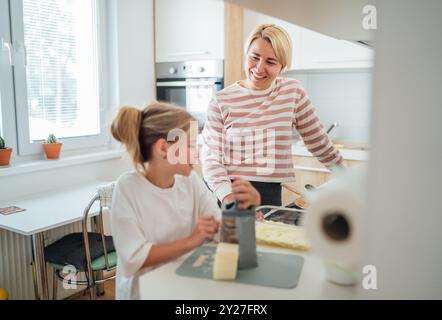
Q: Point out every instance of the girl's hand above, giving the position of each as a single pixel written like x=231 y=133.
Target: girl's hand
x=245 y=193
x=205 y=229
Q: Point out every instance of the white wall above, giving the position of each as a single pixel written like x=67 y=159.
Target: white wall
x=404 y=219
x=342 y=96
x=16 y=186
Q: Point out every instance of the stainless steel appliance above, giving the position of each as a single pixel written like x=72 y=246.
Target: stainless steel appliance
x=190 y=84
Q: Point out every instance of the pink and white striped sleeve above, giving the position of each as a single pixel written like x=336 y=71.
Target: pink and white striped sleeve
x=313 y=134
x=214 y=171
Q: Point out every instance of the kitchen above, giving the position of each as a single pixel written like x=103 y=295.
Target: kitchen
x=339 y=82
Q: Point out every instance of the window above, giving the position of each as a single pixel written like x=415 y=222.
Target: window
x=55 y=49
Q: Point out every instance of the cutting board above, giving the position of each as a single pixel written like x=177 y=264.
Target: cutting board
x=274 y=269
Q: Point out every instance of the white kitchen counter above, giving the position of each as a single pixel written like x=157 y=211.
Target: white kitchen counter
x=164 y=284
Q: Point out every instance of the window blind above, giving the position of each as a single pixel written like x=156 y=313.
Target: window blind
x=61 y=68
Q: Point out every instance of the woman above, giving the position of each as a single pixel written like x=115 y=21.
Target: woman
x=162 y=209
x=249 y=131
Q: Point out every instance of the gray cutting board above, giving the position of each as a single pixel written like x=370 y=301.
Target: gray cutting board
x=274 y=269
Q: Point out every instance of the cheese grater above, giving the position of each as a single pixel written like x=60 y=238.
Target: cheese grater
x=238 y=226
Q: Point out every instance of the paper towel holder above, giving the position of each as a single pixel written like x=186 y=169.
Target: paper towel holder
x=336 y=226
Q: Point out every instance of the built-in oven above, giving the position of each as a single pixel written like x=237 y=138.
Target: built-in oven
x=190 y=84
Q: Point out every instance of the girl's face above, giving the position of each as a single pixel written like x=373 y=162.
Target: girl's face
x=182 y=155
x=185 y=168
x=261 y=66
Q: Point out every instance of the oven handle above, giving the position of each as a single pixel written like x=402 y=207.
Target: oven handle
x=185 y=83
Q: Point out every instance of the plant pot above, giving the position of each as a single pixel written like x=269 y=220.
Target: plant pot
x=52 y=150
x=5 y=156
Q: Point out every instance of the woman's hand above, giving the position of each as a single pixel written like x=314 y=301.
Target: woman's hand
x=245 y=193
x=259 y=216
x=205 y=229
x=229 y=198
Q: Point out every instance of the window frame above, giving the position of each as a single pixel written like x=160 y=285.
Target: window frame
x=15 y=115
x=7 y=98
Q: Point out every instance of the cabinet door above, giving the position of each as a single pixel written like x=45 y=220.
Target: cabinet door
x=302 y=178
x=189 y=30
x=321 y=51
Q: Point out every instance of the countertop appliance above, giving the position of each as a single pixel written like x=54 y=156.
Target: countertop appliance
x=190 y=84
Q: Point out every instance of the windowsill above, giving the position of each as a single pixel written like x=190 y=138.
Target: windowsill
x=45 y=164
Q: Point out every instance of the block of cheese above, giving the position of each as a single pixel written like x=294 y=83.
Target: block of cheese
x=225 y=264
x=281 y=235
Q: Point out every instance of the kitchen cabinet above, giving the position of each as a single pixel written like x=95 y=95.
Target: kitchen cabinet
x=309 y=170
x=234 y=42
x=321 y=51
x=303 y=177
x=189 y=30
x=313 y=50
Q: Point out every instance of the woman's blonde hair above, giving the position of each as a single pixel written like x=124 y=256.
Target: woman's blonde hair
x=278 y=39
x=139 y=129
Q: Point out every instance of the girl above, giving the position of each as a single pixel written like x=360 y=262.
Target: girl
x=162 y=209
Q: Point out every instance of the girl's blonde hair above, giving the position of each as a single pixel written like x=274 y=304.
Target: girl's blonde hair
x=278 y=39
x=139 y=129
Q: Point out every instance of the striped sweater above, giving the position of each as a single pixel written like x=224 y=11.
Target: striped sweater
x=249 y=133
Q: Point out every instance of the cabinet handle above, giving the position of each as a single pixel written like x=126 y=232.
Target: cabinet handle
x=188 y=53
x=185 y=83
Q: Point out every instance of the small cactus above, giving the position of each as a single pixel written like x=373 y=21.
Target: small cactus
x=51 y=139
x=2 y=143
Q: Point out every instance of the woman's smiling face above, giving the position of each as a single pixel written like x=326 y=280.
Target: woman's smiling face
x=262 y=66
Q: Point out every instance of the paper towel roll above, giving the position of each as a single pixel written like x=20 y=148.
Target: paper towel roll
x=333 y=223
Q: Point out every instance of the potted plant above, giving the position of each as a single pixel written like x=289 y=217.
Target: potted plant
x=5 y=153
x=52 y=147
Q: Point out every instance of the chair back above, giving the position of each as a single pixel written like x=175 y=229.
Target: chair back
x=104 y=197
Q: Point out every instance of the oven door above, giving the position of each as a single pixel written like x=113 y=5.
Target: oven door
x=193 y=94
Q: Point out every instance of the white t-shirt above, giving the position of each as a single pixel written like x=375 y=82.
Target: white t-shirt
x=144 y=214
